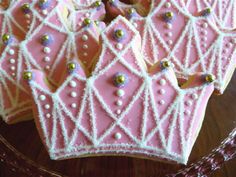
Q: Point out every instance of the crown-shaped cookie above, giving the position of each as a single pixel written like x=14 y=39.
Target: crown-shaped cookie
x=222 y=12
x=55 y=43
x=120 y=109
x=192 y=42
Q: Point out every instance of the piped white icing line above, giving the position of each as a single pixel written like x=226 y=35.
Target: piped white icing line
x=208 y=50
x=24 y=60
x=79 y=138
x=8 y=20
x=222 y=12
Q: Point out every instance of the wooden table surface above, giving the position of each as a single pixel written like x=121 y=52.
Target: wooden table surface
x=219 y=121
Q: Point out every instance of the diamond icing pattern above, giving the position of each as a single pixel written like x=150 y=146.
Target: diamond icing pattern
x=20 y=56
x=194 y=43
x=13 y=21
x=144 y=122
x=222 y=12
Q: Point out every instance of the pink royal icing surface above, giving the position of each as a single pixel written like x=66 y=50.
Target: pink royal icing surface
x=13 y=20
x=222 y=12
x=94 y=10
x=120 y=109
x=193 y=43
x=14 y=61
x=64 y=45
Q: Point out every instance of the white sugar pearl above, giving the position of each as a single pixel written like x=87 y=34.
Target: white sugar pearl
x=169 y=34
x=229 y=45
x=118 y=136
x=47 y=59
x=162 y=91
x=87 y=15
x=119 y=46
x=204 y=45
x=73 y=84
x=189 y=103
x=194 y=96
x=47 y=50
x=13 y=74
x=42 y=97
x=85 y=46
x=233 y=41
x=13 y=68
x=224 y=58
x=119 y=103
x=85 y=54
x=168 y=5
x=161 y=102
x=162 y=82
x=204 y=25
x=73 y=105
x=11 y=52
x=187 y=112
x=12 y=61
x=225 y=51
x=73 y=94
x=204 y=39
x=27 y=16
x=120 y=93
x=135 y=25
x=169 y=26
x=205 y=32
x=47 y=67
x=44 y=12
x=47 y=106
x=170 y=42
x=48 y=115
x=84 y=37
x=118 y=112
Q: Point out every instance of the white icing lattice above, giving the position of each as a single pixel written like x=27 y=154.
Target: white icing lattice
x=17 y=56
x=141 y=126
x=193 y=44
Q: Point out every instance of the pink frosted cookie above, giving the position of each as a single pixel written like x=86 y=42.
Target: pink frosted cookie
x=15 y=102
x=95 y=11
x=54 y=45
x=117 y=7
x=222 y=12
x=13 y=19
x=193 y=43
x=120 y=109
